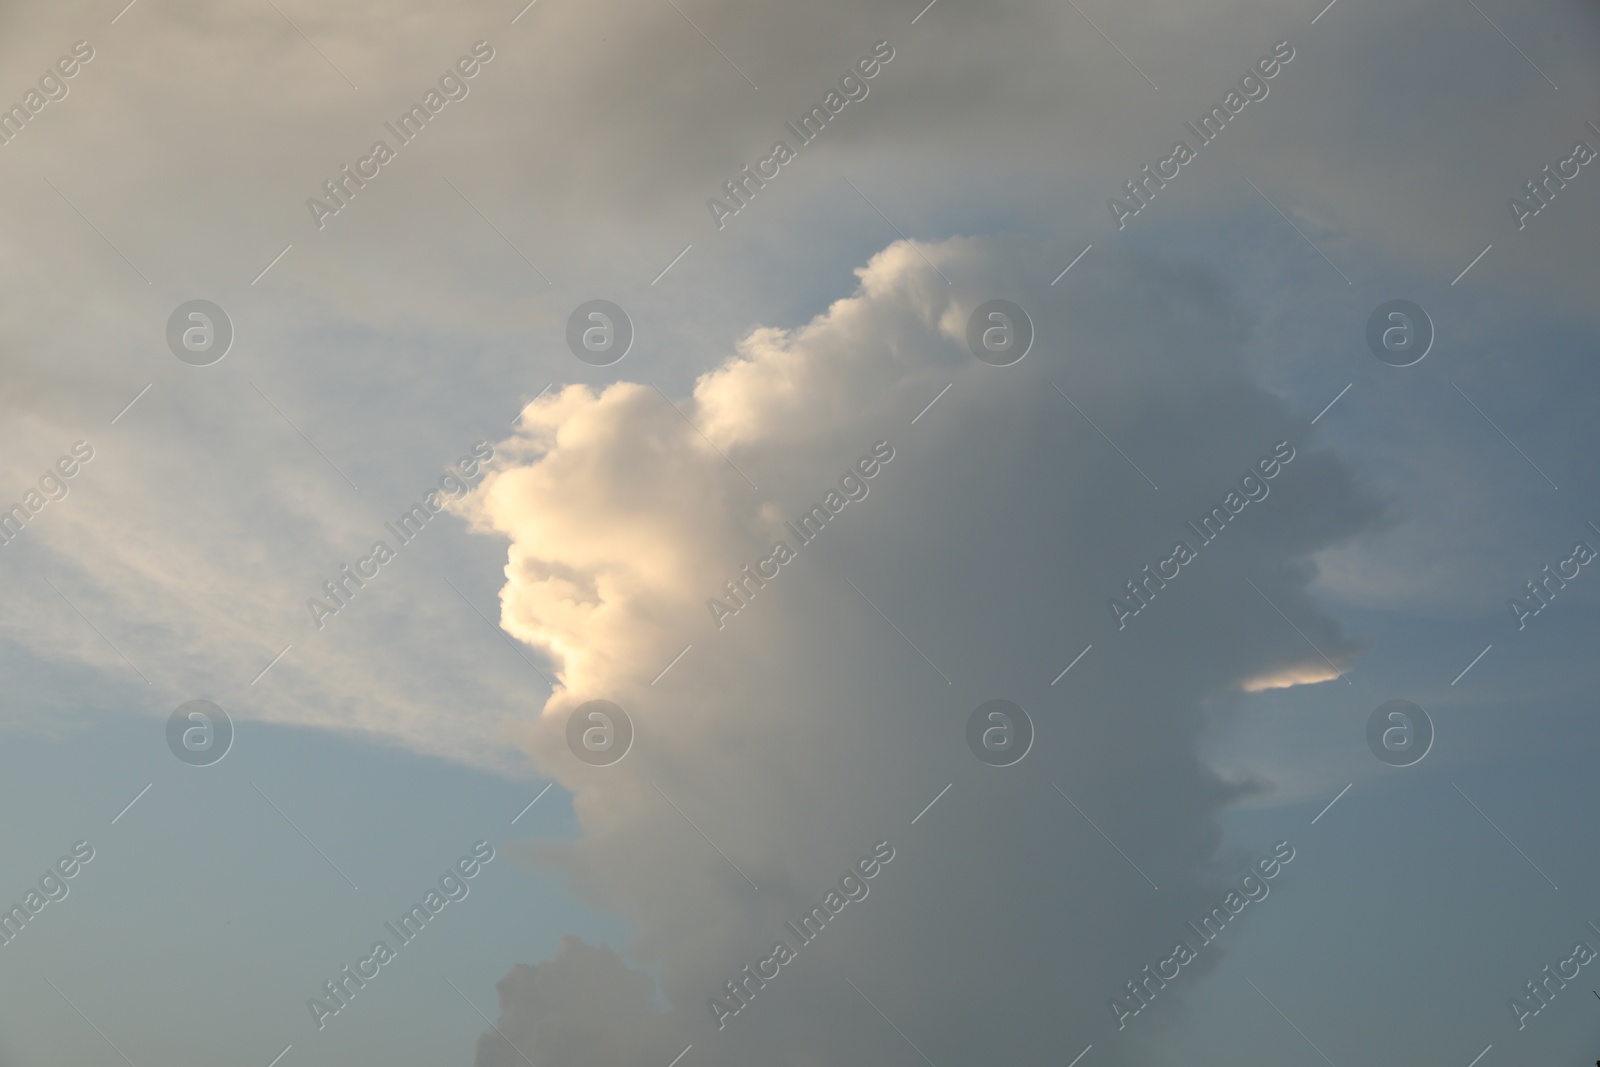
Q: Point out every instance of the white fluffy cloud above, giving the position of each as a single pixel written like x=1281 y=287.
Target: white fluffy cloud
x=807 y=728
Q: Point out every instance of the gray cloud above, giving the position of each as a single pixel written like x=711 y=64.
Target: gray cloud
x=808 y=728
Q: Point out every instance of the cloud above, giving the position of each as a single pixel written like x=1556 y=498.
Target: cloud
x=808 y=728
x=551 y=1007
x=1308 y=673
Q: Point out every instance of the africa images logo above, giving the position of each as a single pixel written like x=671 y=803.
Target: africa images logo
x=853 y=486
x=852 y=87
x=342 y=188
x=1253 y=488
x=1252 y=87
x=852 y=887
x=341 y=989
x=1253 y=888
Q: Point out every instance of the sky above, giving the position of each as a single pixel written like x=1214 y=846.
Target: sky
x=687 y=533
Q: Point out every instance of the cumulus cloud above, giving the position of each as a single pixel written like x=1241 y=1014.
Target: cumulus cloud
x=806 y=727
x=551 y=1007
